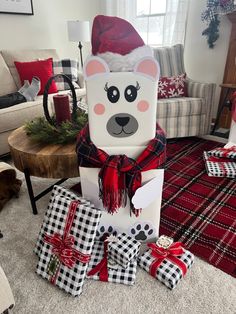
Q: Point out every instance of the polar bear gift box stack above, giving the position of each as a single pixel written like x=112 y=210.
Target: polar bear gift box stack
x=122 y=147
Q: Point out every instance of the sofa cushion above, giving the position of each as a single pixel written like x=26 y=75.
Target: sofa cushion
x=7 y=84
x=43 y=69
x=173 y=86
x=14 y=117
x=69 y=68
x=178 y=107
x=170 y=59
x=10 y=56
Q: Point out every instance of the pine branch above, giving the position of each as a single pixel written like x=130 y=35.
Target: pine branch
x=41 y=130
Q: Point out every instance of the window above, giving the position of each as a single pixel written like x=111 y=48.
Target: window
x=150 y=17
x=160 y=22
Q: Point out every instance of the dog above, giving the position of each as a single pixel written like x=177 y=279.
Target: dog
x=9 y=184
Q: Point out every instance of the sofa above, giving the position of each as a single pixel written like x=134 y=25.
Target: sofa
x=15 y=116
x=6 y=297
x=183 y=116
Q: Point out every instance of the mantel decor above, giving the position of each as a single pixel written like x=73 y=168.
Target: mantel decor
x=48 y=130
x=24 y=7
x=215 y=8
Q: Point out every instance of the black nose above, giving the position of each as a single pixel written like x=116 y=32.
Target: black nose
x=122 y=121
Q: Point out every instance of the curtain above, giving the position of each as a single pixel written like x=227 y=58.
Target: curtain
x=155 y=31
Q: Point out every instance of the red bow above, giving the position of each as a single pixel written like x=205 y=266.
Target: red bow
x=159 y=253
x=101 y=267
x=63 y=248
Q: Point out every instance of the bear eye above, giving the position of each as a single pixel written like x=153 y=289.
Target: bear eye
x=131 y=92
x=113 y=93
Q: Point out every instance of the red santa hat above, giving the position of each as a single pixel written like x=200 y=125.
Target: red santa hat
x=117 y=42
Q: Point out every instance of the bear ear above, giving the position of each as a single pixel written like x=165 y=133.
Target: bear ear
x=148 y=67
x=95 y=66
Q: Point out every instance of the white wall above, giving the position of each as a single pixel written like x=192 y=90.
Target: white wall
x=201 y=62
x=47 y=28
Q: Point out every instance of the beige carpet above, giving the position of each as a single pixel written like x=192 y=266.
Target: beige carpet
x=205 y=289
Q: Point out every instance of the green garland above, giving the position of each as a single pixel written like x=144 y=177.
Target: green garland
x=41 y=130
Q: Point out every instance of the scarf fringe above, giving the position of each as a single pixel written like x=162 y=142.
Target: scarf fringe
x=112 y=199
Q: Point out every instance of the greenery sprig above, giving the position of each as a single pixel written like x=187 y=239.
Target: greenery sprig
x=39 y=129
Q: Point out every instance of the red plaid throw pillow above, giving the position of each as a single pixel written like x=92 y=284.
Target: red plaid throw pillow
x=174 y=86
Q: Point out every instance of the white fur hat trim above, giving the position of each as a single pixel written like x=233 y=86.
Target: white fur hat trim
x=120 y=63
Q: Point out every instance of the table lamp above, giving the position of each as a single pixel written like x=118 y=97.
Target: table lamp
x=79 y=31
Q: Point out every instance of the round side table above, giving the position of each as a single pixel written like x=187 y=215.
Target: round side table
x=42 y=160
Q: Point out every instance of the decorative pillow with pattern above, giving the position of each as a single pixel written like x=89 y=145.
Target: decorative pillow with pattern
x=68 y=67
x=174 y=86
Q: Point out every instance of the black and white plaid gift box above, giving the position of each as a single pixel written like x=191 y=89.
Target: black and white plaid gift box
x=57 y=190
x=223 y=152
x=116 y=273
x=123 y=250
x=83 y=230
x=216 y=167
x=168 y=272
x=69 y=68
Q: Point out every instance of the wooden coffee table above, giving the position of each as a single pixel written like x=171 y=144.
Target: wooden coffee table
x=42 y=160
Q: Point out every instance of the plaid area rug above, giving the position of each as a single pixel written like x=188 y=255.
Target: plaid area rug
x=197 y=209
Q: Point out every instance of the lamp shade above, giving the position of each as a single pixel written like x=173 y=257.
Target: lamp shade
x=78 y=31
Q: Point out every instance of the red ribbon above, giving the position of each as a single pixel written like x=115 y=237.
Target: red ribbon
x=62 y=246
x=101 y=267
x=219 y=159
x=159 y=253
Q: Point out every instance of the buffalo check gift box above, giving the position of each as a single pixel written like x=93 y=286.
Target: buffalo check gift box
x=102 y=267
x=123 y=249
x=166 y=261
x=219 y=166
x=67 y=243
x=46 y=225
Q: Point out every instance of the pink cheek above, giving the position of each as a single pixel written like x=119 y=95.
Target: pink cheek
x=99 y=109
x=143 y=105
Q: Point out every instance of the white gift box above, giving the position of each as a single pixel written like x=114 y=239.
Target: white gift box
x=122 y=120
x=145 y=227
x=121 y=105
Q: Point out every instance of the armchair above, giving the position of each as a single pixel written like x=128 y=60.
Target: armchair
x=184 y=116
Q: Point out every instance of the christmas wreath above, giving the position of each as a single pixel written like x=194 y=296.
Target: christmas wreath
x=48 y=130
x=211 y=15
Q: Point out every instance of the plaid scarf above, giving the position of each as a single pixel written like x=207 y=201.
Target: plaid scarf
x=120 y=176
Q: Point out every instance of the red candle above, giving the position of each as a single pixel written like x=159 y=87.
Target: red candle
x=62 y=108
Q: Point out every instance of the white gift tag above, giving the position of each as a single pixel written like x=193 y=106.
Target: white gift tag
x=147 y=193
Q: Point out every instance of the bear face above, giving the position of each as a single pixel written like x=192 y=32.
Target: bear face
x=121 y=105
